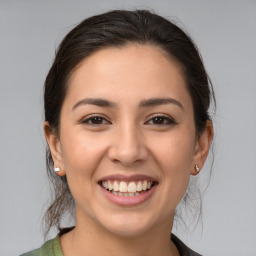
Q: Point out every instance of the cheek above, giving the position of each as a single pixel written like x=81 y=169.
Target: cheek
x=174 y=156
x=175 y=153
x=79 y=148
x=81 y=156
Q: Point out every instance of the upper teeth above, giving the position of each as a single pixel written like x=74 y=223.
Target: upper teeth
x=123 y=186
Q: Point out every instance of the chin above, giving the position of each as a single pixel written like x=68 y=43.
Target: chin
x=128 y=225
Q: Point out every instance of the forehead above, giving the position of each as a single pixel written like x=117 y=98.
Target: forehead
x=132 y=70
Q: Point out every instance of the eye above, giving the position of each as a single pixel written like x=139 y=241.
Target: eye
x=160 y=120
x=95 y=120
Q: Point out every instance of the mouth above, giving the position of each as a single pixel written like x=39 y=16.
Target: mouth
x=128 y=191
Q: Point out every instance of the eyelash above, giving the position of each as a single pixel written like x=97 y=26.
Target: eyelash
x=90 y=120
x=161 y=120
x=165 y=120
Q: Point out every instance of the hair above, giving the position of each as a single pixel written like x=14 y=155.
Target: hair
x=115 y=29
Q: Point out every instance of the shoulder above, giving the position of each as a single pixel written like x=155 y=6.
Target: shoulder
x=49 y=248
x=182 y=248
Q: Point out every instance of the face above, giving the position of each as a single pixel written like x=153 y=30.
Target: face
x=127 y=141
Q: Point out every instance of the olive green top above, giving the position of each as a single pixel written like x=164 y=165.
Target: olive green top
x=49 y=248
x=52 y=248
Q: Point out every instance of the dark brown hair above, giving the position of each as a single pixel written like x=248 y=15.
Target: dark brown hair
x=113 y=29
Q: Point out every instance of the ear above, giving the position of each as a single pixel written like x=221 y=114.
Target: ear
x=55 y=148
x=202 y=147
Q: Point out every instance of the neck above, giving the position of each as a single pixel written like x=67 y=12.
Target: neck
x=90 y=239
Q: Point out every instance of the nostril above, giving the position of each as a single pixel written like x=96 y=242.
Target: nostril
x=127 y=150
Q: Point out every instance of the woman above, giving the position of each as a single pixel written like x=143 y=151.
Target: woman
x=127 y=124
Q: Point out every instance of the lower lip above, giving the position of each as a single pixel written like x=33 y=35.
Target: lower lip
x=128 y=200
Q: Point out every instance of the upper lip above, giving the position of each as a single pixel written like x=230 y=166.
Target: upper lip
x=120 y=177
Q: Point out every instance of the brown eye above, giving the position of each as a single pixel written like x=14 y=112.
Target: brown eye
x=160 y=120
x=95 y=120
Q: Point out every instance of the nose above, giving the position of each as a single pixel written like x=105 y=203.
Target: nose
x=128 y=146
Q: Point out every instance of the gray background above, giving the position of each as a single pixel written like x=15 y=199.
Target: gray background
x=225 y=32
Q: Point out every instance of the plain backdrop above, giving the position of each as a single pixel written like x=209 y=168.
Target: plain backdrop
x=225 y=32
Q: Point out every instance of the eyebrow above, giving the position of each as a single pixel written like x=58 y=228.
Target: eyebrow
x=94 y=101
x=144 y=103
x=160 y=101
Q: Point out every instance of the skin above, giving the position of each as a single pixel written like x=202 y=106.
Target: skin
x=128 y=139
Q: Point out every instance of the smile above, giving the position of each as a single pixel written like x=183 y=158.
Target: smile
x=123 y=188
x=130 y=191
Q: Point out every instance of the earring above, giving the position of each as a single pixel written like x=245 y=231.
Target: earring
x=60 y=172
x=197 y=168
x=57 y=169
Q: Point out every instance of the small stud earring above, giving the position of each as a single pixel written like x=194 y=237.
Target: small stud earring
x=57 y=169
x=197 y=168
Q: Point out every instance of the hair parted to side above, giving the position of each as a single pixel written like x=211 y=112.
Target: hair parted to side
x=115 y=29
